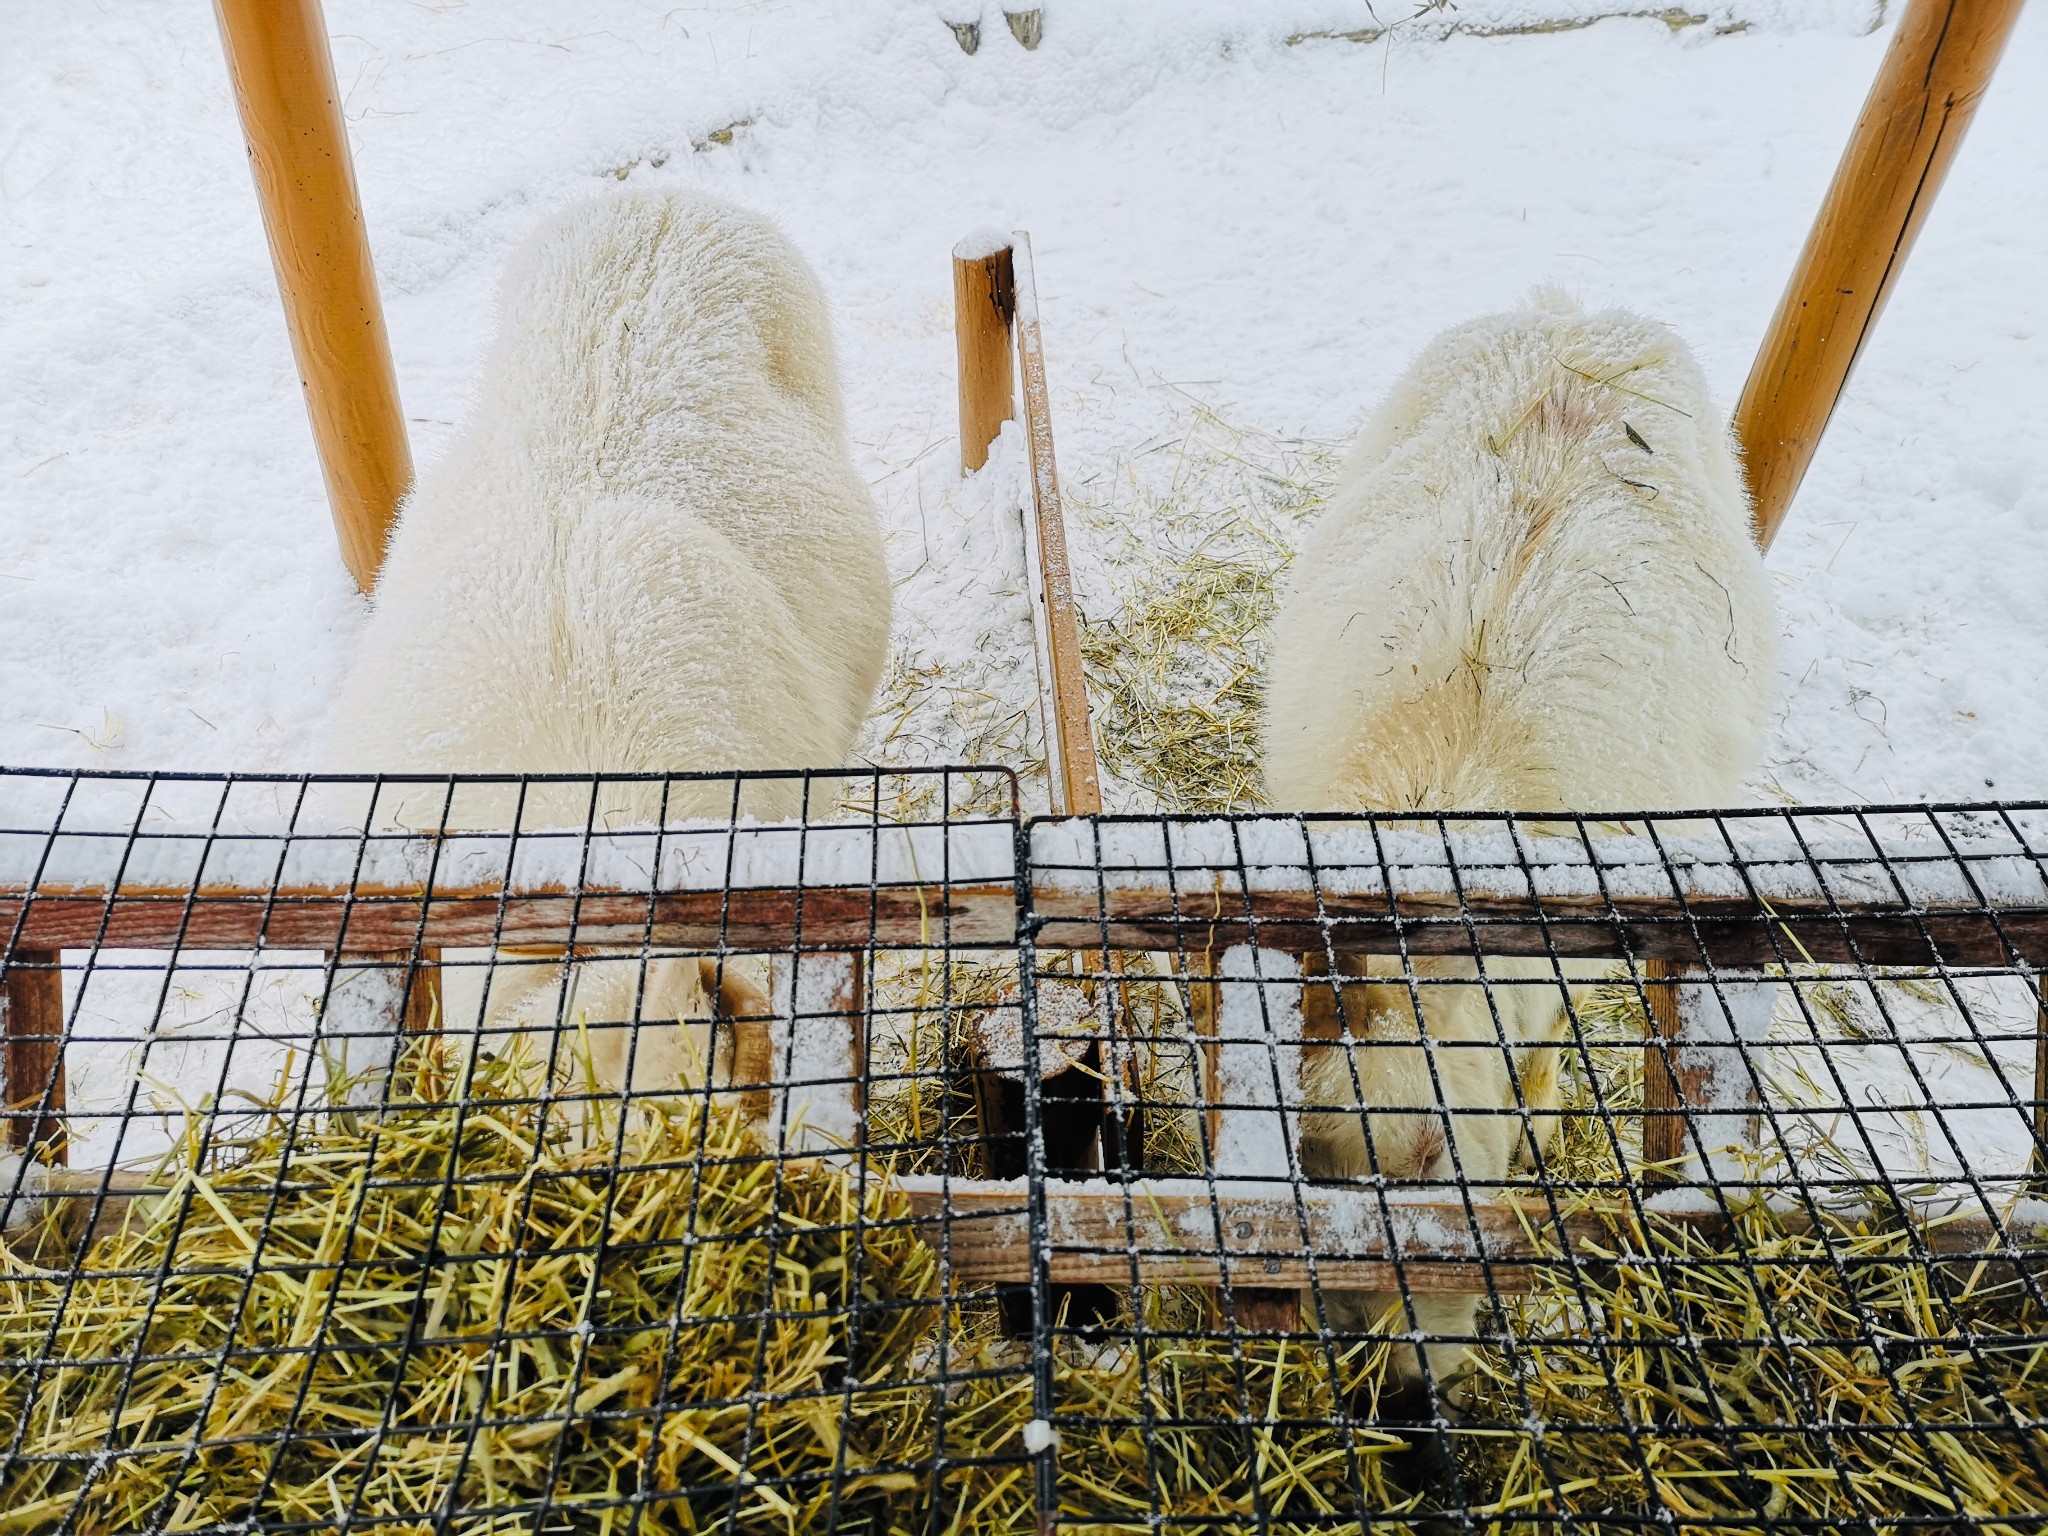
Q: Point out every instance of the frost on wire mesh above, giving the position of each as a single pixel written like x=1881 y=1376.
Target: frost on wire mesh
x=333 y=1203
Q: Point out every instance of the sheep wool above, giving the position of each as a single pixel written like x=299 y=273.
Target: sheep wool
x=647 y=549
x=1535 y=588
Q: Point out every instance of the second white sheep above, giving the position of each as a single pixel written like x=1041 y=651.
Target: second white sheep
x=1535 y=589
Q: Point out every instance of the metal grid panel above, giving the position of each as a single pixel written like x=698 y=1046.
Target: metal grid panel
x=389 y=1228
x=1693 y=1188
x=1009 y=1177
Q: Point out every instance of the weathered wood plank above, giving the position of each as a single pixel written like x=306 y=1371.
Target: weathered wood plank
x=1070 y=737
x=1731 y=933
x=387 y=921
x=1174 y=1231
x=32 y=1051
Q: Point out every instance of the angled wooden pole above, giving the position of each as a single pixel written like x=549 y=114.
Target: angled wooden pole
x=984 y=310
x=1926 y=91
x=1069 y=736
x=298 y=151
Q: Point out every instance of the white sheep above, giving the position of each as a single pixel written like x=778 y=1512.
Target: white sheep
x=646 y=550
x=1535 y=588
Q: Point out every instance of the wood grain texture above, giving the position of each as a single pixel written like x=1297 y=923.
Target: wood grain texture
x=1669 y=1085
x=384 y=920
x=2039 y=1118
x=32 y=1051
x=1157 y=1233
x=1070 y=738
x=423 y=993
x=283 y=78
x=1934 y=73
x=1732 y=933
x=984 y=310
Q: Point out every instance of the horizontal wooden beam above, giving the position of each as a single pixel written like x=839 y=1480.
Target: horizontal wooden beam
x=1270 y=1236
x=1725 y=933
x=385 y=921
x=1174 y=1231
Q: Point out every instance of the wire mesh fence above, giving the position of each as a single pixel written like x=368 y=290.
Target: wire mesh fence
x=791 y=1152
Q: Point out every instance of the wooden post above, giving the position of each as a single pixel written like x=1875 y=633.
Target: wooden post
x=1257 y=1017
x=298 y=151
x=2039 y=1118
x=984 y=308
x=818 y=1044
x=423 y=996
x=32 y=1063
x=1668 y=1086
x=1699 y=1060
x=1926 y=91
x=1069 y=738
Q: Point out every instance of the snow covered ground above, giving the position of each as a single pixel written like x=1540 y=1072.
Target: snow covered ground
x=1228 y=213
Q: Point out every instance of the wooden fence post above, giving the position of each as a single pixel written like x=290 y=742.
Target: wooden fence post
x=284 y=86
x=1256 y=1029
x=32 y=1063
x=1669 y=1086
x=1069 y=736
x=2038 y=1120
x=1926 y=91
x=1699 y=1072
x=818 y=1042
x=984 y=308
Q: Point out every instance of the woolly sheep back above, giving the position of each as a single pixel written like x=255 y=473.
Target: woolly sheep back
x=1534 y=588
x=646 y=549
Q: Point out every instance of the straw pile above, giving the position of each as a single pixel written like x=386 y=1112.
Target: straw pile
x=1810 y=1377
x=1192 y=554
x=1815 y=1373
x=389 y=1321
x=1178 y=547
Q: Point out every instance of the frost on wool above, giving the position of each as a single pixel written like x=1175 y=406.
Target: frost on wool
x=1534 y=589
x=647 y=549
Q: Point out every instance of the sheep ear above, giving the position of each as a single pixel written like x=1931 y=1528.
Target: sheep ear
x=738 y=997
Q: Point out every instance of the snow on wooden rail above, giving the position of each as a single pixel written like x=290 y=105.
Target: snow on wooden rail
x=1736 y=891
x=1733 y=893
x=760 y=887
